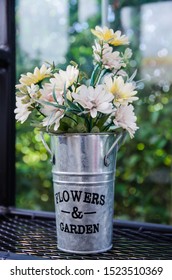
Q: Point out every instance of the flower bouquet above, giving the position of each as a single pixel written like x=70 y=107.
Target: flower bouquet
x=85 y=117
x=65 y=101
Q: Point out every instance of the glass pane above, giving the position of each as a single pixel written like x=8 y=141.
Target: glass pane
x=47 y=30
x=144 y=176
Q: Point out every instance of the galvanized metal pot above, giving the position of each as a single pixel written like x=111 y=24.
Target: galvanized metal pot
x=83 y=178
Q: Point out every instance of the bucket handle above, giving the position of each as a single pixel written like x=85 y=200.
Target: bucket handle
x=121 y=137
x=47 y=147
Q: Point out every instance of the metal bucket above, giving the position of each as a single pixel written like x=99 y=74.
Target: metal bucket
x=83 y=178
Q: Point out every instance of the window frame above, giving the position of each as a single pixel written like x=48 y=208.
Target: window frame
x=7 y=105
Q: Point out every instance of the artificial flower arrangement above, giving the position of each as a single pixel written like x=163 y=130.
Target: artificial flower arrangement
x=66 y=102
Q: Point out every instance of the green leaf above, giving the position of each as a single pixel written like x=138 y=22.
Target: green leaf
x=102 y=73
x=51 y=104
x=94 y=75
x=81 y=128
x=65 y=97
x=82 y=75
x=20 y=94
x=54 y=95
x=73 y=106
x=74 y=63
x=102 y=121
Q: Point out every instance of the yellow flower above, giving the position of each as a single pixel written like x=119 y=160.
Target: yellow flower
x=124 y=93
x=35 y=77
x=108 y=35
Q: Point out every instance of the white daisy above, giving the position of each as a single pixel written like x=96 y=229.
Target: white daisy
x=123 y=93
x=23 y=109
x=94 y=99
x=125 y=118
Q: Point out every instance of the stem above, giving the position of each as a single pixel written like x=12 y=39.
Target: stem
x=107 y=126
x=39 y=111
x=100 y=69
x=90 y=124
x=86 y=121
x=98 y=118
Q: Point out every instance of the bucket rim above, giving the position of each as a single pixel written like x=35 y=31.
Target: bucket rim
x=81 y=133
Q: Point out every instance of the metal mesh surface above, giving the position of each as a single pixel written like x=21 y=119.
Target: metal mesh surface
x=22 y=237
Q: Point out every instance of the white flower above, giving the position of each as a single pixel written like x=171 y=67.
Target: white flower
x=47 y=93
x=65 y=78
x=70 y=75
x=122 y=73
x=35 y=77
x=104 y=53
x=23 y=109
x=33 y=91
x=97 y=48
x=125 y=118
x=61 y=80
x=94 y=99
x=108 y=35
x=123 y=92
x=53 y=116
x=127 y=54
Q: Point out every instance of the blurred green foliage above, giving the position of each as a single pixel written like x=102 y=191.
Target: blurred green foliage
x=143 y=179
x=34 y=182
x=144 y=164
